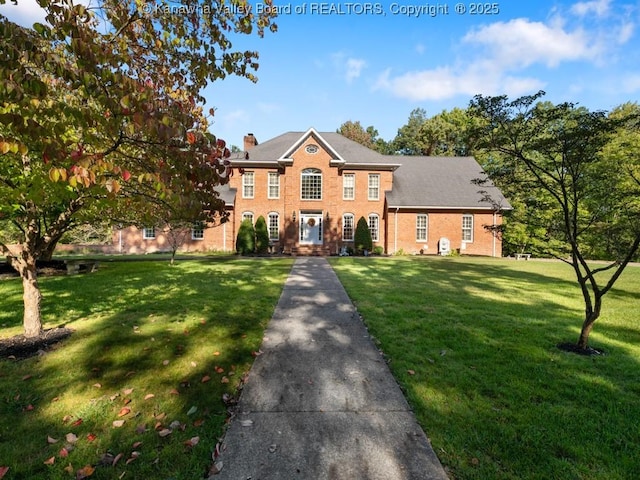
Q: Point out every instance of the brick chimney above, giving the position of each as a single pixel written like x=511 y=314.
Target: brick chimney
x=249 y=142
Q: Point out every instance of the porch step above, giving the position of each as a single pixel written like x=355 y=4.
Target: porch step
x=311 y=250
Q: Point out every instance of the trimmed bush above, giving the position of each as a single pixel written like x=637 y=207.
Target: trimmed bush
x=246 y=239
x=262 y=235
x=362 y=237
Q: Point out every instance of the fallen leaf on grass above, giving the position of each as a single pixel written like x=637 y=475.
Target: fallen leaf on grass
x=136 y=444
x=127 y=391
x=118 y=423
x=116 y=459
x=3 y=471
x=97 y=385
x=219 y=369
x=411 y=372
x=91 y=437
x=77 y=423
x=224 y=380
x=26 y=377
x=194 y=364
x=130 y=374
x=165 y=432
x=215 y=469
x=85 y=472
x=198 y=423
x=50 y=461
x=126 y=401
x=51 y=440
x=205 y=379
x=165 y=362
x=192 y=410
x=216 y=353
x=124 y=411
x=71 y=438
x=140 y=429
x=69 y=469
x=174 y=392
x=63 y=453
x=192 y=442
x=29 y=408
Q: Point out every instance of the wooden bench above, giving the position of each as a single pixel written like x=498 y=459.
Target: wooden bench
x=523 y=256
x=81 y=266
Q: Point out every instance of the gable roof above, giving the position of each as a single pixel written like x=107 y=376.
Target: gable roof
x=442 y=183
x=345 y=153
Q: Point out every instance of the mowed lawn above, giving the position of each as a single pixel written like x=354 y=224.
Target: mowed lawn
x=141 y=389
x=473 y=344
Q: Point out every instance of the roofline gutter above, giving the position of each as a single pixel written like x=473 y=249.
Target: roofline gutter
x=441 y=207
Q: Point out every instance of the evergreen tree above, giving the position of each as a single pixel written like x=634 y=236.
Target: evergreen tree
x=262 y=235
x=362 y=236
x=246 y=239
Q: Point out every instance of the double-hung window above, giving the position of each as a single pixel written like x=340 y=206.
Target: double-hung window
x=374 y=186
x=467 y=228
x=347 y=227
x=349 y=186
x=197 y=231
x=248 y=184
x=422 y=227
x=374 y=223
x=274 y=185
x=149 y=233
x=274 y=226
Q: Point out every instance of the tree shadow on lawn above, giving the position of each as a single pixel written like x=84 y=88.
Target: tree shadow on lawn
x=165 y=355
x=496 y=396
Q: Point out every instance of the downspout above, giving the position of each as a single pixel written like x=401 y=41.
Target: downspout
x=224 y=236
x=495 y=219
x=395 y=230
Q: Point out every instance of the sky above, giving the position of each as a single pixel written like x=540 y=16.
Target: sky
x=330 y=62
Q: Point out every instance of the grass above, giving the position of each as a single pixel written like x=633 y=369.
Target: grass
x=473 y=344
x=164 y=342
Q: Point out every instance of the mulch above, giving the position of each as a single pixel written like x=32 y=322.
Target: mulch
x=21 y=347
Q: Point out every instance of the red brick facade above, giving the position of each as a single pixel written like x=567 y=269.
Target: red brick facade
x=308 y=193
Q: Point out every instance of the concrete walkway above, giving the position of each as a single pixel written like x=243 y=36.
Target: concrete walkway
x=320 y=402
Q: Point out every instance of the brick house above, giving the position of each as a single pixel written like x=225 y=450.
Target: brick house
x=312 y=188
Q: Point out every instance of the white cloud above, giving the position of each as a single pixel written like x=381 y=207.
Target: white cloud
x=25 y=13
x=348 y=67
x=631 y=83
x=599 y=7
x=520 y=43
x=354 y=68
x=268 y=107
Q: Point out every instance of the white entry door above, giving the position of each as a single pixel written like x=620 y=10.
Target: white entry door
x=310 y=229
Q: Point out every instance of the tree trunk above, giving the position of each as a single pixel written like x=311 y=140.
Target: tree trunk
x=590 y=317
x=32 y=298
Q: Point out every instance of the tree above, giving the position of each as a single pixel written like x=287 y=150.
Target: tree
x=246 y=238
x=408 y=141
x=101 y=113
x=562 y=153
x=362 y=236
x=367 y=137
x=262 y=235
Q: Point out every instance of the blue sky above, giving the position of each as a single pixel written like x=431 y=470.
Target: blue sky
x=323 y=68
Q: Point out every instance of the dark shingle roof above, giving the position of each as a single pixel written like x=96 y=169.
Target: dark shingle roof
x=442 y=182
x=227 y=194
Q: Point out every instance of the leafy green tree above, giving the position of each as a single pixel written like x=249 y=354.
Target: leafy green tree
x=408 y=141
x=368 y=137
x=101 y=116
x=362 y=236
x=561 y=154
x=246 y=238
x=262 y=235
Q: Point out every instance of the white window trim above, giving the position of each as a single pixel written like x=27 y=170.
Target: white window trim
x=311 y=172
x=277 y=215
x=353 y=227
x=246 y=184
x=352 y=176
x=247 y=215
x=271 y=175
x=426 y=227
x=146 y=236
x=197 y=227
x=377 y=187
x=468 y=215
x=377 y=229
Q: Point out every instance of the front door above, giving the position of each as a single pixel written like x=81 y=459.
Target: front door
x=311 y=229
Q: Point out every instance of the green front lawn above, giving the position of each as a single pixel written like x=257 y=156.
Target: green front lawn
x=473 y=343
x=154 y=346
